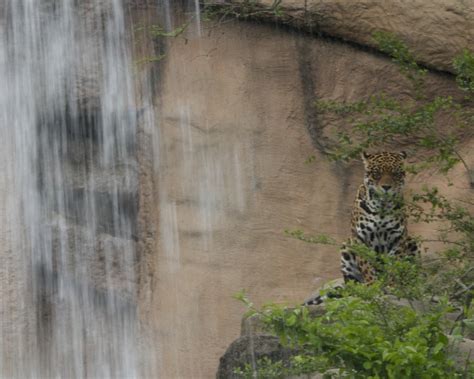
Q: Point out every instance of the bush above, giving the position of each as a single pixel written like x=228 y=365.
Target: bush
x=363 y=335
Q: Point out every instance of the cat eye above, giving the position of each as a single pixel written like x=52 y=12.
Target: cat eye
x=376 y=175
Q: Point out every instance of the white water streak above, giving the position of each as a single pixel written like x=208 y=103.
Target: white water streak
x=68 y=127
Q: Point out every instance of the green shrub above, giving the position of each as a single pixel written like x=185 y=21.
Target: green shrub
x=464 y=66
x=363 y=334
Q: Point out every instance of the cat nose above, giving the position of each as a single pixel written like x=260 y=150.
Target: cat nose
x=386 y=188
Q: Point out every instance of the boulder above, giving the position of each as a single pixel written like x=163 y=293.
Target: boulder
x=248 y=350
x=464 y=352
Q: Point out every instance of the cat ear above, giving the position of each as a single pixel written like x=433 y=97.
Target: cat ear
x=365 y=157
x=403 y=154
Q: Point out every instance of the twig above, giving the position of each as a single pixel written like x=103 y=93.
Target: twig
x=465 y=289
x=467 y=272
x=470 y=172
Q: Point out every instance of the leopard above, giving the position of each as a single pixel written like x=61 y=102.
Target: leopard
x=378 y=221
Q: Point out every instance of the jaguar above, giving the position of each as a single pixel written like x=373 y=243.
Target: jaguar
x=378 y=219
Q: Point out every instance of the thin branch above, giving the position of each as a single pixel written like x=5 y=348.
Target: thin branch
x=464 y=290
x=468 y=169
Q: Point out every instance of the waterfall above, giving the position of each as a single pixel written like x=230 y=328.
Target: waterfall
x=68 y=277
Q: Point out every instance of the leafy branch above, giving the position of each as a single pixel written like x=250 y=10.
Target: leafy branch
x=384 y=120
x=319 y=239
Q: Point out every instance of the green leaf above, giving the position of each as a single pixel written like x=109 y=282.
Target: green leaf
x=291 y=320
x=367 y=365
x=469 y=323
x=439 y=346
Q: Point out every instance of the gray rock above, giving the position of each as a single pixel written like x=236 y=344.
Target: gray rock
x=249 y=349
x=464 y=352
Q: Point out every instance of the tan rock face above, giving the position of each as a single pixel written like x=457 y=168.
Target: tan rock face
x=231 y=179
x=223 y=170
x=436 y=30
x=225 y=175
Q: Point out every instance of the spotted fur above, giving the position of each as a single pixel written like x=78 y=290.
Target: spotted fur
x=378 y=218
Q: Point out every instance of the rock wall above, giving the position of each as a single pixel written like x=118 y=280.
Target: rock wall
x=436 y=30
x=225 y=175
x=227 y=127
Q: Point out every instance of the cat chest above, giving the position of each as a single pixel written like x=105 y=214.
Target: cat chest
x=382 y=234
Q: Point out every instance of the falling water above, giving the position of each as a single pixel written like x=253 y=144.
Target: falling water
x=69 y=265
x=68 y=208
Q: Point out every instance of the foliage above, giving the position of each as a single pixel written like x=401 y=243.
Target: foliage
x=383 y=120
x=147 y=60
x=265 y=368
x=451 y=271
x=157 y=31
x=464 y=66
x=247 y=9
x=363 y=335
x=320 y=239
x=401 y=55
